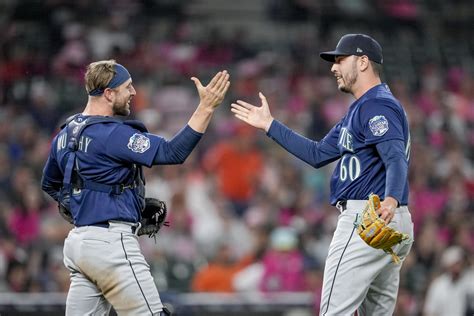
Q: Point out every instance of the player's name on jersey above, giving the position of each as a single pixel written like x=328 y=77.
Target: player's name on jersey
x=345 y=140
x=83 y=144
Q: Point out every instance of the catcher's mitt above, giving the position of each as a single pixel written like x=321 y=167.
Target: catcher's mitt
x=153 y=217
x=375 y=232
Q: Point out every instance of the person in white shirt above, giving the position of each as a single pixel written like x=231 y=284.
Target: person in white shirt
x=451 y=292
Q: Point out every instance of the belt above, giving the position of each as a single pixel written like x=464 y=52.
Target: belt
x=342 y=205
x=106 y=224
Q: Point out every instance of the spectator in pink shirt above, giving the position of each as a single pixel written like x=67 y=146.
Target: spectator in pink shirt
x=283 y=263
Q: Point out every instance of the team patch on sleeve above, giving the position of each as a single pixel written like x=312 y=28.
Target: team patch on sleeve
x=378 y=125
x=138 y=143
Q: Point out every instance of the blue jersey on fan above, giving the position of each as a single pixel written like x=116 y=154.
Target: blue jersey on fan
x=110 y=153
x=373 y=123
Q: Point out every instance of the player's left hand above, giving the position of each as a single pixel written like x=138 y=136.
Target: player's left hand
x=374 y=231
x=212 y=95
x=387 y=209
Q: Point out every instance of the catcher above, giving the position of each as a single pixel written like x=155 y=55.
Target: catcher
x=94 y=171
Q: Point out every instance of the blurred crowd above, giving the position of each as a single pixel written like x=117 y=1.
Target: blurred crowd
x=245 y=215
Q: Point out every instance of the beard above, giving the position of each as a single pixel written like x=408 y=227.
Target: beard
x=121 y=108
x=349 y=80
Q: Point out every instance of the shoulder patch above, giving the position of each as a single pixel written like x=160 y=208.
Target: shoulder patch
x=378 y=125
x=138 y=143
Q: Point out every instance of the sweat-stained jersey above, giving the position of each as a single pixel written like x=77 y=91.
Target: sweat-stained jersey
x=374 y=118
x=108 y=153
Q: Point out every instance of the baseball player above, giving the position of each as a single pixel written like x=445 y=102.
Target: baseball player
x=372 y=144
x=94 y=172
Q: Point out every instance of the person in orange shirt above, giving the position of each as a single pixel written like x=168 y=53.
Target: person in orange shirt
x=237 y=164
x=218 y=275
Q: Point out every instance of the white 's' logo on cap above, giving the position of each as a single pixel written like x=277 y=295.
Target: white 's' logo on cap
x=359 y=50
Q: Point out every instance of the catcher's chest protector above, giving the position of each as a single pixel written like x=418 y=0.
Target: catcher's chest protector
x=73 y=180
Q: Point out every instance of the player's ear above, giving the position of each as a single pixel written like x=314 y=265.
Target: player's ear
x=364 y=63
x=109 y=94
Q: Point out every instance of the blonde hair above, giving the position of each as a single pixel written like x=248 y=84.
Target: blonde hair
x=99 y=74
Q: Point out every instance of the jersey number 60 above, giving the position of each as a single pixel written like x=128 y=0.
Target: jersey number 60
x=349 y=167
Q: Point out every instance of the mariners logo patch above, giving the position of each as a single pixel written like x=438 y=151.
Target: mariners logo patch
x=138 y=143
x=378 y=125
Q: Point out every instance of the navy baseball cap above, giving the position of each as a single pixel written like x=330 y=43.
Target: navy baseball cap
x=356 y=44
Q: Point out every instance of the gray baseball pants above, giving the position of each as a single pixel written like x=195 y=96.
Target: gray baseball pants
x=357 y=276
x=108 y=269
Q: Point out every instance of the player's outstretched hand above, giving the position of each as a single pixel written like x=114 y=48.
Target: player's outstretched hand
x=259 y=117
x=213 y=94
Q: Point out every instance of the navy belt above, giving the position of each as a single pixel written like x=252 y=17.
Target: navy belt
x=343 y=205
x=105 y=224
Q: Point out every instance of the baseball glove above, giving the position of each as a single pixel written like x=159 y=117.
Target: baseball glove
x=375 y=232
x=153 y=217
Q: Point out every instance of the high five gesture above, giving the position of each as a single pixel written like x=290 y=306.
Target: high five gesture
x=259 y=117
